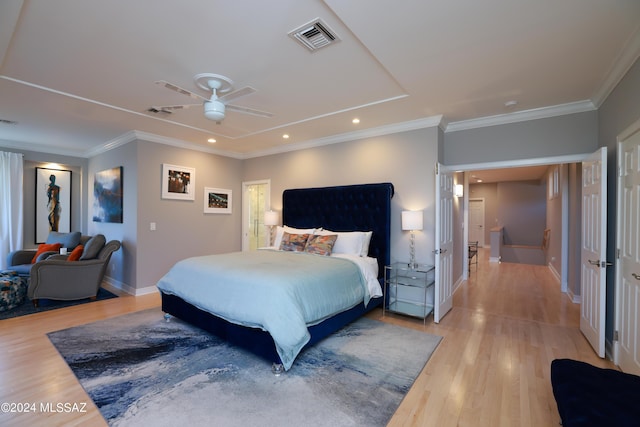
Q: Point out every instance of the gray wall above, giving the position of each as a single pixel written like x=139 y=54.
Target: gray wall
x=405 y=159
x=522 y=211
x=122 y=267
x=183 y=229
x=619 y=111
x=555 y=136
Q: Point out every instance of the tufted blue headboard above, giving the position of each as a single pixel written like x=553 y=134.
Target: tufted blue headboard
x=364 y=207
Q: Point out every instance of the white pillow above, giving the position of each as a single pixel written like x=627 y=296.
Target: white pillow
x=366 y=239
x=349 y=242
x=280 y=231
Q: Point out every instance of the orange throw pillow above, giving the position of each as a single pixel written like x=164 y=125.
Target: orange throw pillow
x=44 y=247
x=76 y=253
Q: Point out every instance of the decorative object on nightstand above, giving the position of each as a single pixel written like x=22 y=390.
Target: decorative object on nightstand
x=412 y=221
x=271 y=220
x=409 y=290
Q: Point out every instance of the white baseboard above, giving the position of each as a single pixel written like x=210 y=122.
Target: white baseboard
x=554 y=272
x=117 y=287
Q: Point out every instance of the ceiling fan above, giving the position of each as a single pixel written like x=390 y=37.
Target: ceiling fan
x=215 y=106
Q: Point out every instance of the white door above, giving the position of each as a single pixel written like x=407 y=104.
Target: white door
x=476 y=221
x=444 y=244
x=594 y=245
x=627 y=347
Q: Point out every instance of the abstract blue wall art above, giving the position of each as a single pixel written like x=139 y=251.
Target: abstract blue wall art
x=107 y=195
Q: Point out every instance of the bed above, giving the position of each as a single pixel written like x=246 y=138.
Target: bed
x=351 y=208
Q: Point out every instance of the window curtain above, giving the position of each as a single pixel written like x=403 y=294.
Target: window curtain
x=11 y=205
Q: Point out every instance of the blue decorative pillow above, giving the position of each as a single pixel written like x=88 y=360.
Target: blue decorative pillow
x=66 y=240
x=93 y=247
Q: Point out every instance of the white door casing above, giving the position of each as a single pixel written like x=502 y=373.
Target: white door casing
x=593 y=249
x=443 y=293
x=627 y=347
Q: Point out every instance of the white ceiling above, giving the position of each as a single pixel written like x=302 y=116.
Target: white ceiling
x=78 y=75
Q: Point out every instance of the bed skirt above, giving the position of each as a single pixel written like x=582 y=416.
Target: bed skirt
x=255 y=340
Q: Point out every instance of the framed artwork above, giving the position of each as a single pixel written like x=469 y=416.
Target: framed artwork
x=107 y=195
x=178 y=182
x=217 y=200
x=53 y=202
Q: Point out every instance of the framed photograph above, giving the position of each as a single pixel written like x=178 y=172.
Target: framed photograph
x=53 y=202
x=178 y=182
x=217 y=200
x=107 y=195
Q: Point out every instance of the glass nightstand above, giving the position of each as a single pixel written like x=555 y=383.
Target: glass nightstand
x=408 y=290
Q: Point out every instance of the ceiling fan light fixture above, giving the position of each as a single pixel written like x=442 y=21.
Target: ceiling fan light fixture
x=214 y=110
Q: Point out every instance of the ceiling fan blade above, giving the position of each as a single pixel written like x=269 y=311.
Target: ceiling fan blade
x=247 y=90
x=175 y=107
x=247 y=110
x=180 y=90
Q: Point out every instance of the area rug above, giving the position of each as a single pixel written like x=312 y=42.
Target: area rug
x=142 y=370
x=47 y=304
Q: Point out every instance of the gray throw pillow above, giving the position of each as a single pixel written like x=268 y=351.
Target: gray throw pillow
x=93 y=247
x=66 y=240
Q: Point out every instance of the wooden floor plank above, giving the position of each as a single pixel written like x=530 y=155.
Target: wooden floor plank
x=508 y=322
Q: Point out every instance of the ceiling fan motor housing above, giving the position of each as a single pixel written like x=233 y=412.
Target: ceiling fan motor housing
x=214 y=110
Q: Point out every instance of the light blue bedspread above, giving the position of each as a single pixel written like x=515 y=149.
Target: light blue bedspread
x=280 y=292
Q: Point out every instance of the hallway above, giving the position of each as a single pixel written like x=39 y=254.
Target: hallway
x=508 y=322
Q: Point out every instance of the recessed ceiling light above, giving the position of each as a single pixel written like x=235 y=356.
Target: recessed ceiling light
x=511 y=103
x=355 y=121
x=211 y=140
x=285 y=136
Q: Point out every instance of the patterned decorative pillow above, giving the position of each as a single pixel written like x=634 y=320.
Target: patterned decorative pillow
x=293 y=242
x=320 y=245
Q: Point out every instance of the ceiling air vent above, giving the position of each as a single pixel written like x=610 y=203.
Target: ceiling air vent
x=314 y=35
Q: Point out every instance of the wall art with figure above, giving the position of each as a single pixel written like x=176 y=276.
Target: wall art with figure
x=53 y=202
x=107 y=195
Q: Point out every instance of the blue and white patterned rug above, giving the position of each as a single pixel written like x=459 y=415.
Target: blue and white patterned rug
x=141 y=370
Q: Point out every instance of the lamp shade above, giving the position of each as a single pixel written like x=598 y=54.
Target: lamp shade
x=412 y=220
x=271 y=218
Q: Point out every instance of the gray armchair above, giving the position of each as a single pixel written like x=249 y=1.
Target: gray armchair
x=58 y=279
x=21 y=262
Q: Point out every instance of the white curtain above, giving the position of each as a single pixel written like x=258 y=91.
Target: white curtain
x=11 y=202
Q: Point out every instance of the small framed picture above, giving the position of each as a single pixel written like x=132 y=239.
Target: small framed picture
x=178 y=182
x=217 y=200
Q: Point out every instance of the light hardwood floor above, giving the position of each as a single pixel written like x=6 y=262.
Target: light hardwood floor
x=508 y=323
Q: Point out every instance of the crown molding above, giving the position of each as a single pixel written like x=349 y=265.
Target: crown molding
x=521 y=116
x=621 y=65
x=39 y=148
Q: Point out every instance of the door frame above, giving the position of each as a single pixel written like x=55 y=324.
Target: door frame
x=539 y=161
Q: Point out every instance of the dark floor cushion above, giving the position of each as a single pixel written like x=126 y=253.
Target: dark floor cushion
x=590 y=396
